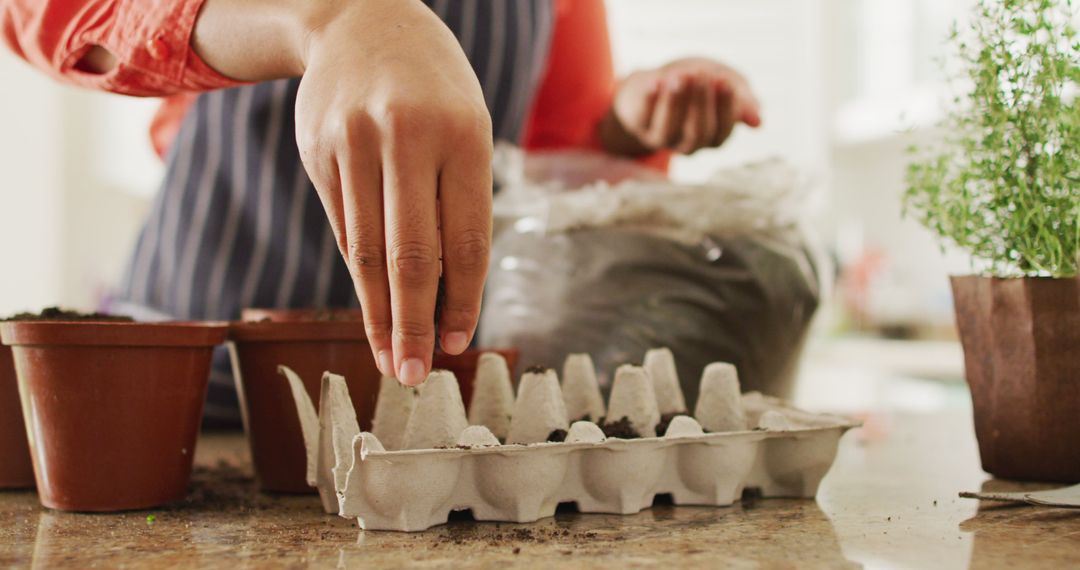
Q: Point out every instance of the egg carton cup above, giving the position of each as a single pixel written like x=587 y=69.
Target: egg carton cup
x=445 y=465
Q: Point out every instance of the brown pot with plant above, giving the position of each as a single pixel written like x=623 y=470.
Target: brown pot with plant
x=1005 y=186
x=112 y=407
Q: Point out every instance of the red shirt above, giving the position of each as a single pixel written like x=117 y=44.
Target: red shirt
x=150 y=40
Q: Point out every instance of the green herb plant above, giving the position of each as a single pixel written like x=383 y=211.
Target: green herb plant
x=1004 y=184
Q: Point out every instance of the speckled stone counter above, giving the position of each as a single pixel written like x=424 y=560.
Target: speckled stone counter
x=890 y=501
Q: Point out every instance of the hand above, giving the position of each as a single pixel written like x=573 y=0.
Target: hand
x=685 y=106
x=394 y=133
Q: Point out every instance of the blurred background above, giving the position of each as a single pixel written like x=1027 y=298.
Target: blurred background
x=846 y=86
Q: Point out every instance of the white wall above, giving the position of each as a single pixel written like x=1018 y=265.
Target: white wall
x=777 y=44
x=31 y=210
x=76 y=171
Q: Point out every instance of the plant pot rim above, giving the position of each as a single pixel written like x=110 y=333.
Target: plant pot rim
x=301 y=331
x=305 y=315
x=173 y=334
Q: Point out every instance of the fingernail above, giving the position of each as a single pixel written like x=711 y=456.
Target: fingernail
x=386 y=362
x=412 y=372
x=675 y=83
x=455 y=342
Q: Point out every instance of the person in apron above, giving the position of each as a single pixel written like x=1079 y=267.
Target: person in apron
x=339 y=153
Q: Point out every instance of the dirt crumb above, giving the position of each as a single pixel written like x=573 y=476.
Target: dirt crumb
x=223 y=487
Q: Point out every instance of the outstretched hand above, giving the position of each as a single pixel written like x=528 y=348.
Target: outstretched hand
x=685 y=106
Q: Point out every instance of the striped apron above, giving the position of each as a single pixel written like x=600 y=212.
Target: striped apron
x=238 y=223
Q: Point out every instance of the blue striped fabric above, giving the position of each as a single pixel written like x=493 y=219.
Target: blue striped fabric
x=238 y=224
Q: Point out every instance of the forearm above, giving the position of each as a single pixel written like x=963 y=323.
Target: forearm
x=256 y=40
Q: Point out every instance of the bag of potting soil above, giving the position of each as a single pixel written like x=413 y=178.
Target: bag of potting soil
x=719 y=271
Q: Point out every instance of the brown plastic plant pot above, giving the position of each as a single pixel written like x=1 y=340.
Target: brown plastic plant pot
x=113 y=409
x=1021 y=339
x=16 y=470
x=310 y=342
x=464 y=366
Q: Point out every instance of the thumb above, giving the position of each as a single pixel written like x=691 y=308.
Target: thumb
x=749 y=111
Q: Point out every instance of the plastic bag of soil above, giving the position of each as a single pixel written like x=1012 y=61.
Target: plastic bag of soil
x=719 y=271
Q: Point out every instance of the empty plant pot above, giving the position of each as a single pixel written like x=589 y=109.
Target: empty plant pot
x=309 y=342
x=1020 y=339
x=112 y=408
x=16 y=471
x=465 y=364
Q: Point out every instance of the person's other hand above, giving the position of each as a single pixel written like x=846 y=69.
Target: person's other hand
x=394 y=133
x=685 y=106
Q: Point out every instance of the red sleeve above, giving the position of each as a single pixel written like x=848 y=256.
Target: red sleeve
x=149 y=38
x=579 y=83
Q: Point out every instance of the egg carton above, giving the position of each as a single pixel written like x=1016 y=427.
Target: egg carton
x=423 y=459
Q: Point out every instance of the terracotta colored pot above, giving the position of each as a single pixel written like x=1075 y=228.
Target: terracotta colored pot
x=335 y=342
x=1021 y=340
x=113 y=408
x=464 y=367
x=16 y=471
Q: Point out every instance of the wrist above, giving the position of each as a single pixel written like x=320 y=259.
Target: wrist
x=251 y=43
x=617 y=140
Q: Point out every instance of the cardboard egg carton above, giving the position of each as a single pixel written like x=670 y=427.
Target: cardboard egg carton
x=426 y=457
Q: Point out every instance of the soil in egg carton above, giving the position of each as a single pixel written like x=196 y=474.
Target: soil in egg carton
x=665 y=421
x=661 y=426
x=557 y=436
x=621 y=429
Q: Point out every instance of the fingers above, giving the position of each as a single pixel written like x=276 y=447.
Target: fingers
x=647 y=109
x=748 y=109
x=725 y=113
x=327 y=181
x=700 y=111
x=700 y=124
x=409 y=182
x=697 y=105
x=465 y=213
x=671 y=108
x=711 y=115
x=365 y=251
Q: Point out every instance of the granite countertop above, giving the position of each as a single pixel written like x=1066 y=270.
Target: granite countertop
x=890 y=501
